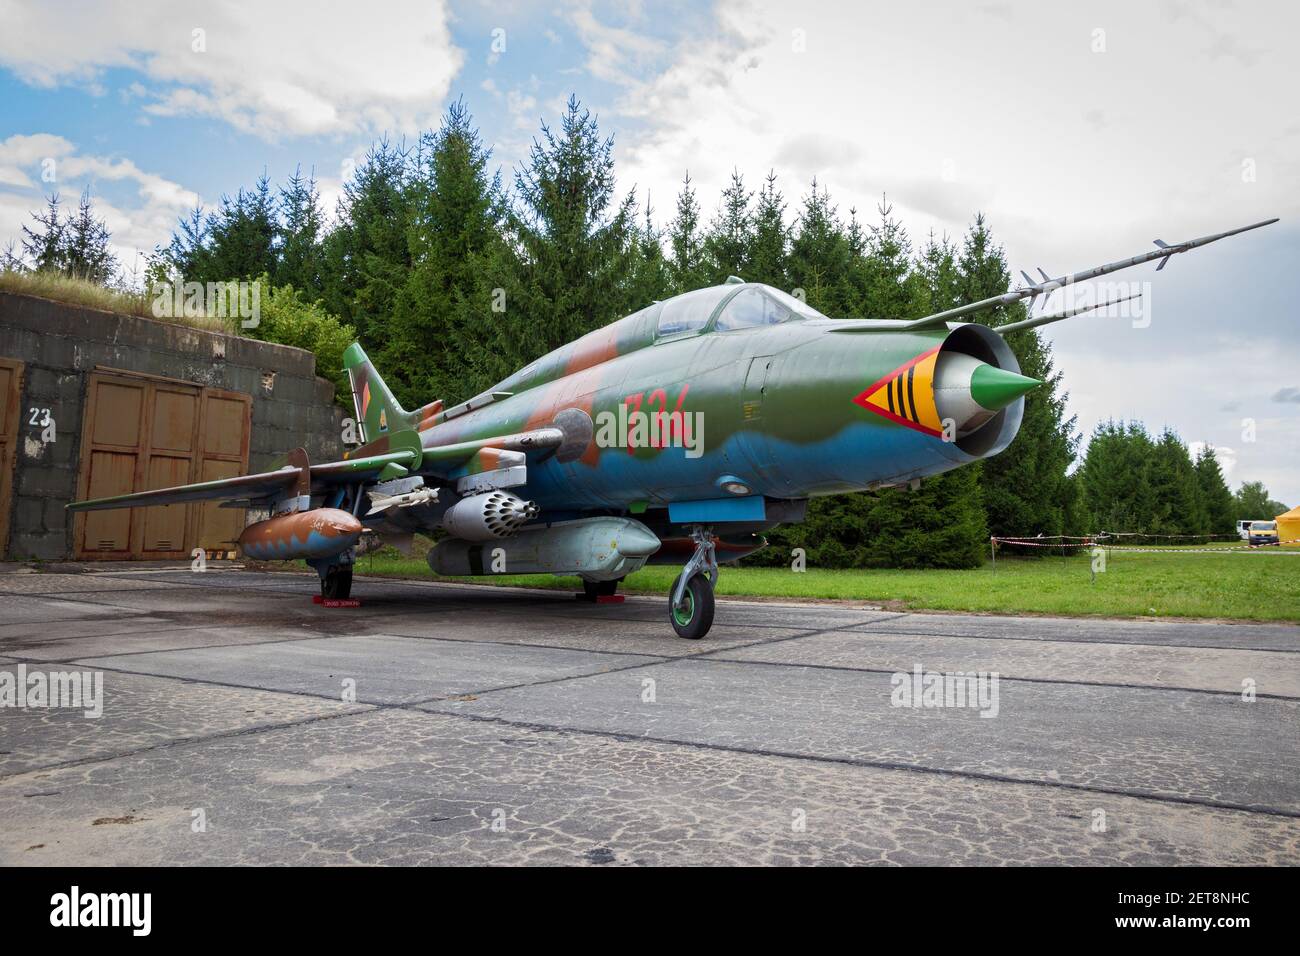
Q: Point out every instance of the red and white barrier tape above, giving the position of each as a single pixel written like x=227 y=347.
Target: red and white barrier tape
x=1099 y=543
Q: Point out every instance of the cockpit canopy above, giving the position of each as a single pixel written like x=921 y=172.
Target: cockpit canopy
x=731 y=307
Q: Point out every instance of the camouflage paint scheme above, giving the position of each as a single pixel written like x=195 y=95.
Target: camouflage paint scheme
x=780 y=405
x=789 y=405
x=317 y=533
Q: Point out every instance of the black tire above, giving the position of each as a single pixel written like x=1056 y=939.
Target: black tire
x=694 y=618
x=336 y=585
x=594 y=590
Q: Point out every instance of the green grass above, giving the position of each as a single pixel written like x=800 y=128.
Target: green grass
x=1251 y=586
x=61 y=288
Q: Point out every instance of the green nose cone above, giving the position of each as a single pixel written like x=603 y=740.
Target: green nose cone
x=995 y=388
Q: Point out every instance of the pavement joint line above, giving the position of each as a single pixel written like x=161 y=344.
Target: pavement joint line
x=888 y=618
x=554 y=595
x=370 y=706
x=1049 y=640
x=416 y=637
x=705 y=655
x=650 y=661
x=394 y=633
x=544 y=647
x=140 y=630
x=207 y=682
x=360 y=709
x=761 y=642
x=538 y=683
x=365 y=708
x=216 y=590
x=557 y=599
x=1001 y=676
x=395 y=611
x=75 y=596
x=879 y=765
x=327 y=636
x=306 y=636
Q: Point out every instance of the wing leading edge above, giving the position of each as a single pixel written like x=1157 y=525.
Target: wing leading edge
x=405 y=458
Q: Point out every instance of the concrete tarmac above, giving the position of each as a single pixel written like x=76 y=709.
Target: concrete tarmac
x=451 y=724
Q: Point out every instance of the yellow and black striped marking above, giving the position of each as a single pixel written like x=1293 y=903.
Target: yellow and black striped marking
x=906 y=395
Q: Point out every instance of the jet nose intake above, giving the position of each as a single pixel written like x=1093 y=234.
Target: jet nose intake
x=969 y=392
x=995 y=388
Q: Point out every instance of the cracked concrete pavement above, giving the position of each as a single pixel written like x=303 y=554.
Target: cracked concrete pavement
x=450 y=724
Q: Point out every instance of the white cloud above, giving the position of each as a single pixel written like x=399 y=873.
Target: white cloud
x=614 y=54
x=266 y=68
x=1077 y=158
x=136 y=227
x=874 y=98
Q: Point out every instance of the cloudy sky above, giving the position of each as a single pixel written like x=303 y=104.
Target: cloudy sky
x=1082 y=131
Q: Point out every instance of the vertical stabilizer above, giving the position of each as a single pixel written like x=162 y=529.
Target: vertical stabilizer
x=378 y=412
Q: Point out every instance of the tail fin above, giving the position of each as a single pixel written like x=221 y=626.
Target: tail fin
x=378 y=412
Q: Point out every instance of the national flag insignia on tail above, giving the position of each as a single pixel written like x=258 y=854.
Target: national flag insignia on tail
x=906 y=395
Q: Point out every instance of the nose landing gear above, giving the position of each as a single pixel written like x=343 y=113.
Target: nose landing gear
x=690 y=602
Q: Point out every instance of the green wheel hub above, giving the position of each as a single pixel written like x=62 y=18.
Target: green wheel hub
x=682 y=613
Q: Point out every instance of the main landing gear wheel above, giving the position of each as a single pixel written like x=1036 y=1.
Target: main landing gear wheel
x=336 y=582
x=693 y=615
x=591 y=590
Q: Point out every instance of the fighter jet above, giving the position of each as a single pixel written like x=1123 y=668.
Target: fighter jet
x=674 y=435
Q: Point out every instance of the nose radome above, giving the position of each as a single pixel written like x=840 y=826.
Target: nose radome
x=995 y=388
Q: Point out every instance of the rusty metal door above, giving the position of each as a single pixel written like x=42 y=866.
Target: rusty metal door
x=112 y=435
x=142 y=433
x=11 y=390
x=167 y=459
x=223 y=453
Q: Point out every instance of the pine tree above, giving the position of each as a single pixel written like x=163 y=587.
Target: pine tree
x=241 y=237
x=298 y=241
x=429 y=341
x=75 y=245
x=1026 y=491
x=367 y=257
x=1215 y=498
x=11 y=259
x=770 y=241
x=1115 y=478
x=567 y=268
x=885 y=289
x=819 y=255
x=650 y=270
x=43 y=241
x=188 y=253
x=937 y=280
x=730 y=235
x=686 y=259
x=1174 y=489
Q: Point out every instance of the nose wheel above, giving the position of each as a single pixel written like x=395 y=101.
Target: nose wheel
x=690 y=602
